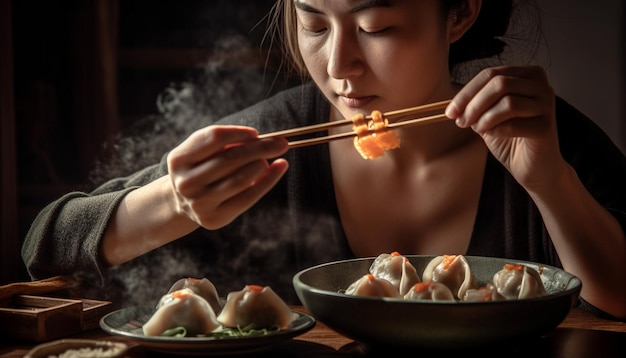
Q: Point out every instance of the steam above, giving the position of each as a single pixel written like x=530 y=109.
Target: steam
x=218 y=90
x=262 y=259
x=227 y=82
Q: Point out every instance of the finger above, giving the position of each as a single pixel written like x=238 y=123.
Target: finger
x=207 y=141
x=232 y=207
x=490 y=83
x=261 y=186
x=227 y=161
x=527 y=127
x=512 y=116
x=501 y=97
x=206 y=201
x=233 y=183
x=214 y=169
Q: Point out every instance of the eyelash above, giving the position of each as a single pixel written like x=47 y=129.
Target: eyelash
x=314 y=32
x=369 y=33
x=377 y=32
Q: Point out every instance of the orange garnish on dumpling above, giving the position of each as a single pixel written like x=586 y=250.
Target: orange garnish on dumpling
x=513 y=267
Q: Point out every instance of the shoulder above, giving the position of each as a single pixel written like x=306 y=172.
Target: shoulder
x=569 y=118
x=297 y=106
x=598 y=162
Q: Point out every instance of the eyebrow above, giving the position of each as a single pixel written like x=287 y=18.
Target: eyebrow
x=370 y=4
x=363 y=5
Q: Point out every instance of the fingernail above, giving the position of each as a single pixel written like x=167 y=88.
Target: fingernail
x=460 y=122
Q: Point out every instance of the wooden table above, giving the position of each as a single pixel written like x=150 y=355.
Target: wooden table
x=581 y=334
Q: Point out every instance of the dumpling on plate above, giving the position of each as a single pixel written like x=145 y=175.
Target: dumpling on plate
x=182 y=308
x=396 y=269
x=518 y=281
x=201 y=286
x=372 y=286
x=453 y=271
x=429 y=291
x=256 y=307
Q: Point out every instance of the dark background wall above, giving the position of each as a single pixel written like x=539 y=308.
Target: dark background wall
x=585 y=56
x=76 y=73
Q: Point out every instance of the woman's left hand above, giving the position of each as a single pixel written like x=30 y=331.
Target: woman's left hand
x=513 y=109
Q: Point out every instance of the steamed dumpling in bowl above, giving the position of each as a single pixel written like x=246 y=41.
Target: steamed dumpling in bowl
x=453 y=271
x=396 y=269
x=518 y=281
x=182 y=308
x=429 y=291
x=255 y=307
x=372 y=286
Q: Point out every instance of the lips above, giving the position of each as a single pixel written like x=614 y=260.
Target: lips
x=355 y=101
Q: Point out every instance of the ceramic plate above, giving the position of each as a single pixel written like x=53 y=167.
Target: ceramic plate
x=127 y=322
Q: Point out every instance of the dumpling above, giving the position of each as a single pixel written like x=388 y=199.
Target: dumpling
x=396 y=269
x=451 y=270
x=255 y=307
x=202 y=287
x=483 y=294
x=518 y=281
x=372 y=286
x=182 y=308
x=429 y=291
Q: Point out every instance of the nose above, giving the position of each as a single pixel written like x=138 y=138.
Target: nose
x=345 y=58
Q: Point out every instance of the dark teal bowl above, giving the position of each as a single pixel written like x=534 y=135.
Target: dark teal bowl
x=387 y=322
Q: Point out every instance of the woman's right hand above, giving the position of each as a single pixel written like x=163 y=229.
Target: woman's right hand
x=219 y=172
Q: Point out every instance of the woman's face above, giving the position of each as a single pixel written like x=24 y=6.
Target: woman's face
x=375 y=54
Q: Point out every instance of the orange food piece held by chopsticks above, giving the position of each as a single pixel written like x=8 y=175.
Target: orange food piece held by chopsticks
x=387 y=138
x=363 y=142
x=360 y=126
x=373 y=138
x=368 y=147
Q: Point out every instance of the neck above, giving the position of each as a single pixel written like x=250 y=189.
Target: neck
x=432 y=141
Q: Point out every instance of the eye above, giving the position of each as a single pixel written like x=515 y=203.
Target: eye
x=311 y=24
x=377 y=21
x=371 y=30
x=314 y=31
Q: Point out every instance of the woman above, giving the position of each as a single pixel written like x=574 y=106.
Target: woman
x=516 y=174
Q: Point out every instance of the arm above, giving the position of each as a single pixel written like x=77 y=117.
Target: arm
x=589 y=240
x=215 y=175
x=513 y=110
x=86 y=232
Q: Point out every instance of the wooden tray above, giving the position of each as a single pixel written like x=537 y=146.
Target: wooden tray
x=93 y=310
x=38 y=319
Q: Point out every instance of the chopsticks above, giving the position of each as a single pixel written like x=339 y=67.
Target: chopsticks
x=401 y=113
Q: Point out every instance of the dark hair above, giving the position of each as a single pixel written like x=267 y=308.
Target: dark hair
x=482 y=40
